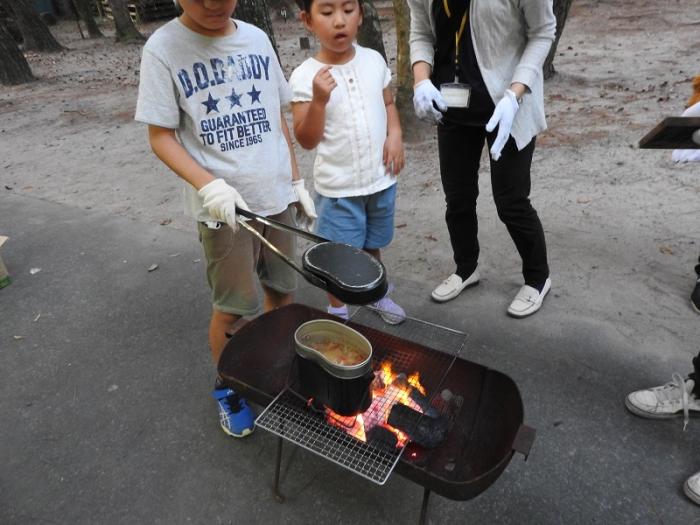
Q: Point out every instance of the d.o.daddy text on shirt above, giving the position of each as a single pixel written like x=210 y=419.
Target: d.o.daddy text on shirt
x=223 y=95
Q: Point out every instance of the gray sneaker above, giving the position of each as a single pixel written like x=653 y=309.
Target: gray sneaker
x=673 y=399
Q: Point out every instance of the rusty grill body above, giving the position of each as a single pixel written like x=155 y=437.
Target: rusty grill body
x=484 y=410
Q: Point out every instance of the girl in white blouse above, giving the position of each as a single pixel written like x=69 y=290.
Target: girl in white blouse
x=343 y=107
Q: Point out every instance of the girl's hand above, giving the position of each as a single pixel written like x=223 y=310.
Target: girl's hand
x=323 y=85
x=393 y=153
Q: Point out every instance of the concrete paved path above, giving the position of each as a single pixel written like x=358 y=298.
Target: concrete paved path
x=106 y=416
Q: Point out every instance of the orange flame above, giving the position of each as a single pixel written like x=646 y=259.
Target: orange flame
x=386 y=391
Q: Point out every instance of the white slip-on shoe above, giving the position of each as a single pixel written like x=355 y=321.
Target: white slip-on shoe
x=528 y=300
x=453 y=286
x=692 y=488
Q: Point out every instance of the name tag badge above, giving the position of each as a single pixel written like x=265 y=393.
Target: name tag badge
x=456 y=94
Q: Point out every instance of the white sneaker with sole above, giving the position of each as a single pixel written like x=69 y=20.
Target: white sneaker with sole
x=673 y=399
x=528 y=300
x=692 y=488
x=453 y=286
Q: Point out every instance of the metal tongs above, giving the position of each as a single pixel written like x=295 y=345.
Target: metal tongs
x=350 y=274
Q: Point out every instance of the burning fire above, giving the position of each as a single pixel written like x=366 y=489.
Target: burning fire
x=388 y=388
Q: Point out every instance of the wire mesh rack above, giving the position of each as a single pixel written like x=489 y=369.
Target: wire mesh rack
x=289 y=417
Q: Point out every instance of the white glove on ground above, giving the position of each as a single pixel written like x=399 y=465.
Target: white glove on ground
x=308 y=215
x=424 y=94
x=221 y=201
x=502 y=117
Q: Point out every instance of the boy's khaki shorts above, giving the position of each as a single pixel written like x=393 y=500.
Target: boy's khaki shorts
x=234 y=261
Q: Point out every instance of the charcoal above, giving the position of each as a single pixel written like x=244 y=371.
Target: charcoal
x=382 y=438
x=424 y=403
x=418 y=398
x=426 y=431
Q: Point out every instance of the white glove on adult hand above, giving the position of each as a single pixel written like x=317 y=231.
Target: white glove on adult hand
x=221 y=201
x=306 y=204
x=424 y=94
x=502 y=117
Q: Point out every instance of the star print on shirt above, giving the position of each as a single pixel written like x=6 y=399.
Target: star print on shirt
x=254 y=95
x=211 y=104
x=234 y=98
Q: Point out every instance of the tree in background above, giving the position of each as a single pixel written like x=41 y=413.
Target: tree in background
x=404 y=75
x=126 y=30
x=35 y=33
x=14 y=68
x=84 y=9
x=370 y=34
x=256 y=12
x=561 y=11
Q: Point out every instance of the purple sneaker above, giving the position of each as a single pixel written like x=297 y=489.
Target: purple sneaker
x=388 y=310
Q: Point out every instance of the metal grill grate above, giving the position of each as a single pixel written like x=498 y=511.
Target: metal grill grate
x=289 y=417
x=440 y=338
x=406 y=347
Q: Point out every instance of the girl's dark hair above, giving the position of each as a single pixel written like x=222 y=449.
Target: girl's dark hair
x=307 y=4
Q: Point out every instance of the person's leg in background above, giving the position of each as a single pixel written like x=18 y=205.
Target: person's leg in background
x=510 y=179
x=460 y=150
x=695 y=296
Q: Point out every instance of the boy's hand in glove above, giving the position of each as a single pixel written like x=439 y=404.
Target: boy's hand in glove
x=221 y=201
x=305 y=205
x=502 y=117
x=424 y=94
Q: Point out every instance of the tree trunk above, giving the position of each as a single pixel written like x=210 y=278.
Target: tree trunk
x=561 y=11
x=370 y=34
x=35 y=34
x=126 y=30
x=404 y=75
x=13 y=66
x=256 y=12
x=84 y=8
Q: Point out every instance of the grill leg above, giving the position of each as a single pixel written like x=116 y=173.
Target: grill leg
x=424 y=507
x=278 y=495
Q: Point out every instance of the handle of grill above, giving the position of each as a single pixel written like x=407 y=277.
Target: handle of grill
x=524 y=439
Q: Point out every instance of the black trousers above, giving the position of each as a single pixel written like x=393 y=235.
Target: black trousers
x=695 y=375
x=697 y=268
x=460 y=150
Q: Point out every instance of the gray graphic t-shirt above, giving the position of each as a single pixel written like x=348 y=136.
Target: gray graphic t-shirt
x=223 y=96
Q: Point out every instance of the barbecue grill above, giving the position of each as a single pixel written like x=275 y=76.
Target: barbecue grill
x=482 y=407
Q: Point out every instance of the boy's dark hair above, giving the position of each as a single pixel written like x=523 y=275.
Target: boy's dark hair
x=307 y=4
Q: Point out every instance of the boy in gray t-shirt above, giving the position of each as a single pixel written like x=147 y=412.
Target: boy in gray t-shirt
x=211 y=92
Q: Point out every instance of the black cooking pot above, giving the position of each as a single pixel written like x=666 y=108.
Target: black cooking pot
x=345 y=389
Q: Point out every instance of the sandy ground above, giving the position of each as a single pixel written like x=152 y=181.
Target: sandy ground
x=621 y=223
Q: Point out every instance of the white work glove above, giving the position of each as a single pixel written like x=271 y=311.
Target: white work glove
x=221 y=201
x=689 y=155
x=307 y=211
x=502 y=117
x=424 y=94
